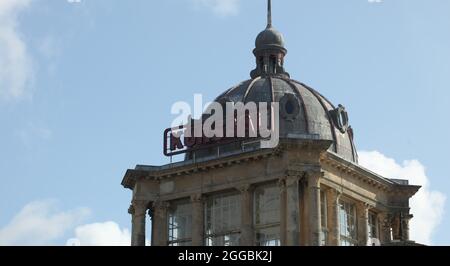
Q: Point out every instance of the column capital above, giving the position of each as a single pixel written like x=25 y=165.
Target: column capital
x=334 y=194
x=293 y=174
x=140 y=203
x=245 y=188
x=290 y=177
x=131 y=209
x=313 y=178
x=382 y=215
x=386 y=217
x=138 y=207
x=197 y=198
x=161 y=205
x=315 y=173
x=282 y=182
x=363 y=205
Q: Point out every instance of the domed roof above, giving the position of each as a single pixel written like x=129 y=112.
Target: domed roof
x=304 y=113
x=269 y=38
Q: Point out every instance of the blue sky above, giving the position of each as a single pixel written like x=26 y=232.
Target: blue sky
x=86 y=90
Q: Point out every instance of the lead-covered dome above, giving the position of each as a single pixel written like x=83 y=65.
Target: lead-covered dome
x=268 y=38
x=304 y=113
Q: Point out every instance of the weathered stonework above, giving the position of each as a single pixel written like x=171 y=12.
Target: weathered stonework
x=300 y=184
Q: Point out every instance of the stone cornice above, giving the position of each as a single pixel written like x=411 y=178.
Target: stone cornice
x=367 y=176
x=170 y=170
x=316 y=144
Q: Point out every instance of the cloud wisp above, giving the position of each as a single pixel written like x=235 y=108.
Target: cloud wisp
x=100 y=234
x=40 y=223
x=16 y=72
x=427 y=205
x=222 y=8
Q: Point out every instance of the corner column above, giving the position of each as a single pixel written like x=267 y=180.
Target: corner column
x=362 y=210
x=283 y=212
x=138 y=211
x=334 y=236
x=197 y=220
x=314 y=207
x=293 y=210
x=405 y=226
x=385 y=227
x=160 y=222
x=290 y=210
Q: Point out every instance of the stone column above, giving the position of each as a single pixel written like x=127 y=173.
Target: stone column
x=400 y=225
x=138 y=211
x=292 y=210
x=384 y=221
x=396 y=226
x=334 y=235
x=314 y=207
x=405 y=226
x=362 y=212
x=283 y=211
x=303 y=211
x=160 y=223
x=197 y=220
x=247 y=232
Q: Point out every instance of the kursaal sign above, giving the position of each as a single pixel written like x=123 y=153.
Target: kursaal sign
x=239 y=121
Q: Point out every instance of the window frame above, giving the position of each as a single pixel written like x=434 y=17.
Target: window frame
x=352 y=238
x=373 y=225
x=171 y=240
x=230 y=232
x=323 y=218
x=257 y=226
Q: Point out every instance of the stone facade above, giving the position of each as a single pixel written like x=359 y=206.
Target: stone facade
x=304 y=171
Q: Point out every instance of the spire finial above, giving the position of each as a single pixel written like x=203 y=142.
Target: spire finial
x=269 y=13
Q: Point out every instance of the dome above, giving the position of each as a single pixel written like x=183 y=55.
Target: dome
x=269 y=38
x=304 y=113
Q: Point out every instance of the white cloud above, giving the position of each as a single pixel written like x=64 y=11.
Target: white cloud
x=32 y=132
x=220 y=7
x=427 y=205
x=40 y=223
x=100 y=234
x=15 y=64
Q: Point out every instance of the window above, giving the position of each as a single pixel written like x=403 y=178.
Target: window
x=273 y=64
x=267 y=215
x=223 y=220
x=323 y=218
x=347 y=222
x=180 y=223
x=373 y=232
